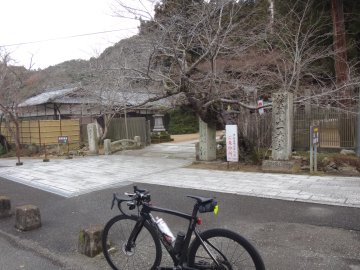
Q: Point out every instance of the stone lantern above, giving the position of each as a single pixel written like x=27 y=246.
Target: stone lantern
x=159 y=125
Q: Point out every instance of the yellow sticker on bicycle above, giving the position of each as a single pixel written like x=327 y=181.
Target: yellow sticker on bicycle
x=216 y=209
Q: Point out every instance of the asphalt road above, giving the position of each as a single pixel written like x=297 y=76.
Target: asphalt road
x=289 y=235
x=16 y=256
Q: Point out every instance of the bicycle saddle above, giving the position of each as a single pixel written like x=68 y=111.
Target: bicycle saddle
x=200 y=200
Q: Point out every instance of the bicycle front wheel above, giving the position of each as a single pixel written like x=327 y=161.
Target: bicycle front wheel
x=146 y=253
x=231 y=251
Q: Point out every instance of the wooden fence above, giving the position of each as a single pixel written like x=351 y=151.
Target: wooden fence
x=42 y=132
x=337 y=129
x=257 y=129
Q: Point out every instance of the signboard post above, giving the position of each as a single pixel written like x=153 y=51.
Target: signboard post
x=314 y=142
x=45 y=157
x=232 y=148
x=64 y=140
x=260 y=104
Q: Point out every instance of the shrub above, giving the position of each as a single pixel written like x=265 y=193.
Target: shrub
x=2 y=150
x=183 y=121
x=159 y=137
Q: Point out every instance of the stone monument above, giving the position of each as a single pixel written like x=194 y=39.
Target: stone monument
x=107 y=147
x=282 y=127
x=207 y=141
x=92 y=139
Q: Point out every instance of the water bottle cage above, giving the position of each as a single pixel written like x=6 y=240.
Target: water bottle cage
x=209 y=207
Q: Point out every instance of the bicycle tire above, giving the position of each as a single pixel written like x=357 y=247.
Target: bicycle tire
x=238 y=253
x=146 y=254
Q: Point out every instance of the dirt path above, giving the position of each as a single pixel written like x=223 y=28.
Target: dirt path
x=190 y=137
x=185 y=137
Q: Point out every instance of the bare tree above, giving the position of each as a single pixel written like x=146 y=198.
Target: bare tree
x=195 y=46
x=16 y=84
x=304 y=55
x=114 y=81
x=10 y=96
x=298 y=47
x=221 y=58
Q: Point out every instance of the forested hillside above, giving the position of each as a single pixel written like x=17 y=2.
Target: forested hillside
x=257 y=38
x=221 y=53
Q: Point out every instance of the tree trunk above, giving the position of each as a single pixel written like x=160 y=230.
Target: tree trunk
x=341 y=67
x=272 y=14
x=14 y=133
x=357 y=146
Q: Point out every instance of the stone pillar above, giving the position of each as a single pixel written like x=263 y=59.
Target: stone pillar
x=159 y=125
x=27 y=217
x=90 y=241
x=107 y=146
x=282 y=126
x=207 y=142
x=282 y=123
x=5 y=207
x=92 y=139
x=137 y=140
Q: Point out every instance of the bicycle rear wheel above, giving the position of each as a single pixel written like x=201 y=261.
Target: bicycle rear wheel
x=146 y=254
x=231 y=250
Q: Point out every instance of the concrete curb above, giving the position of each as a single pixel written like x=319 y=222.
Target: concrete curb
x=66 y=263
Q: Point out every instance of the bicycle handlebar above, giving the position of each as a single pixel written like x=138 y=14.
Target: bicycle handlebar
x=141 y=196
x=133 y=199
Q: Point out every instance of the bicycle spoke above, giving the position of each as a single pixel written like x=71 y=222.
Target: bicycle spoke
x=228 y=253
x=141 y=255
x=133 y=242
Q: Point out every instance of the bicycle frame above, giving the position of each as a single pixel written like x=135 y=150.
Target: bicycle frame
x=145 y=216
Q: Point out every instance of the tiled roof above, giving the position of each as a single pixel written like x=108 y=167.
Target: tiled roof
x=75 y=95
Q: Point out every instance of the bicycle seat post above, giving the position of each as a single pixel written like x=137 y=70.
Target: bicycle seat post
x=195 y=209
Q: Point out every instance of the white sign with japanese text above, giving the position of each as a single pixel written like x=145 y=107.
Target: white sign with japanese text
x=260 y=104
x=232 y=149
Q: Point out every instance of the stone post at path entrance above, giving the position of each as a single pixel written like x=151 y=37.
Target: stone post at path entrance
x=282 y=122
x=282 y=129
x=92 y=139
x=207 y=141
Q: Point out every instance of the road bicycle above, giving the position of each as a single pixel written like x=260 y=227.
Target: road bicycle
x=133 y=241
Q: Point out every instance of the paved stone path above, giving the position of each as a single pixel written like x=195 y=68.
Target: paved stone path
x=72 y=177
x=317 y=189
x=164 y=164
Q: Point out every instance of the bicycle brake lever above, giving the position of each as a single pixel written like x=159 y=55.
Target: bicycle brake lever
x=131 y=205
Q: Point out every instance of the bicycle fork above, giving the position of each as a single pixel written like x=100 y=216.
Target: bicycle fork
x=133 y=236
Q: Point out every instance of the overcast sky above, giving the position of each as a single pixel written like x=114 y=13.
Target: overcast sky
x=25 y=21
